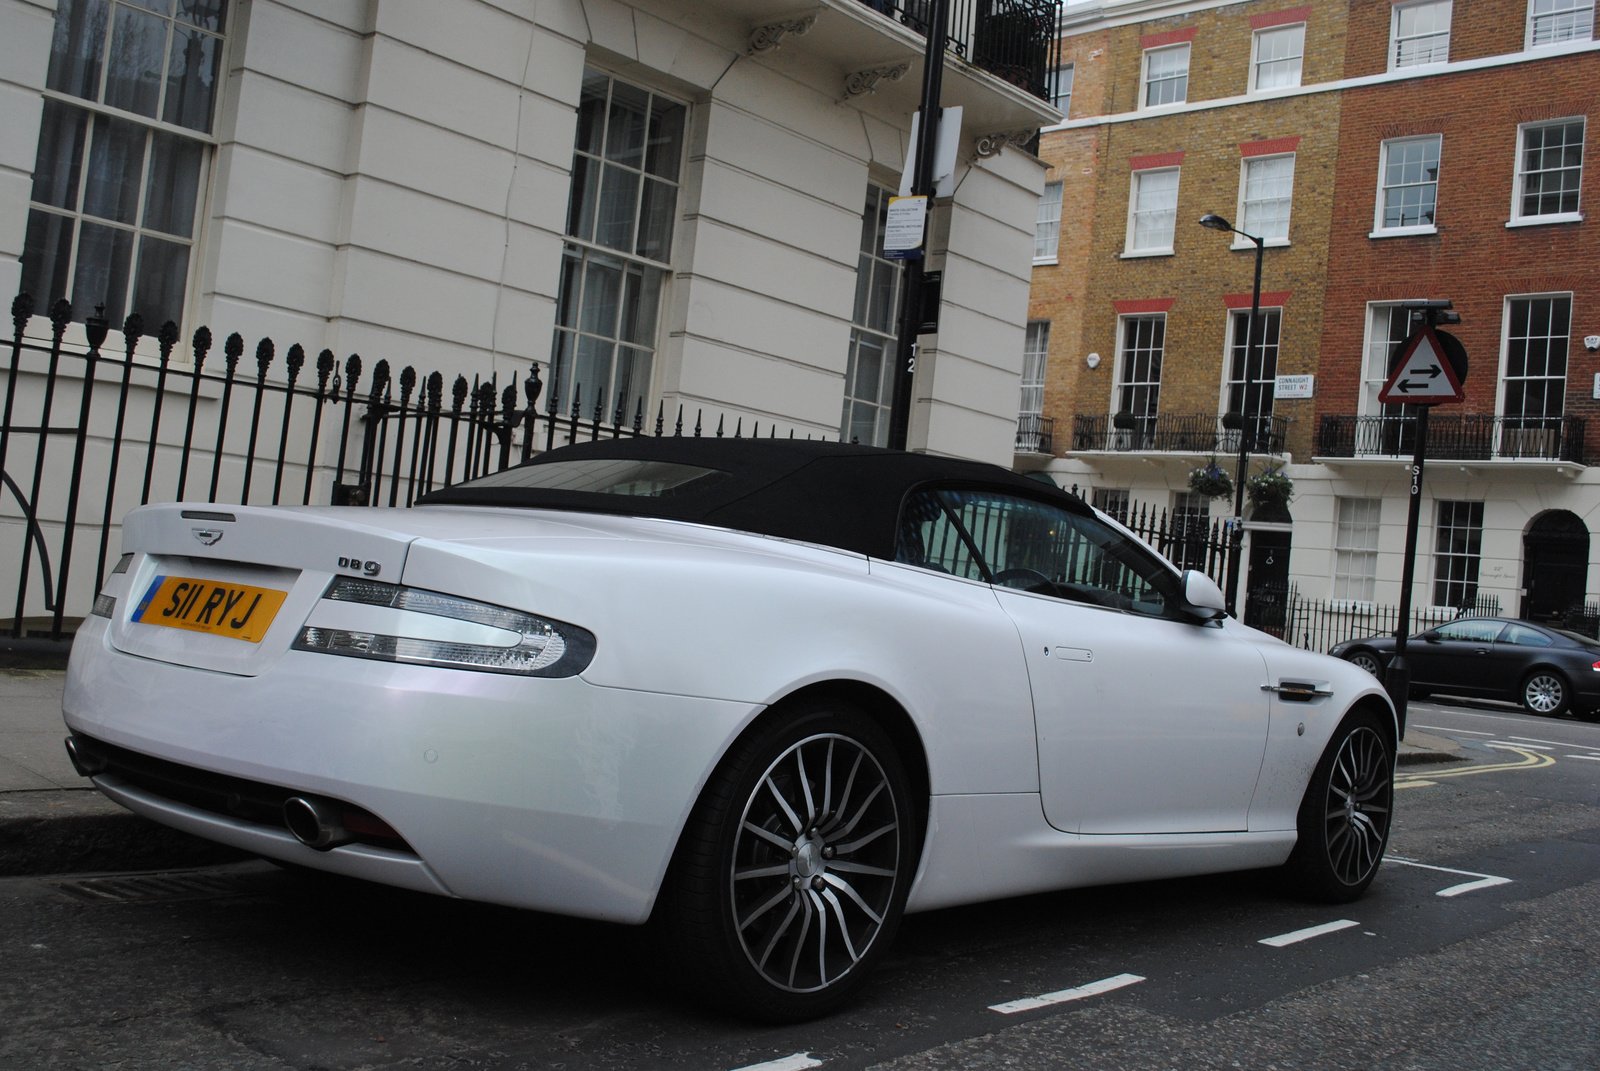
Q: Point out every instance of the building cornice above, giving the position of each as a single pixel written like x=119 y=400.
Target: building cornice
x=1440 y=70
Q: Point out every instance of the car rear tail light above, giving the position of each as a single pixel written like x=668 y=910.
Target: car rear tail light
x=1595 y=667
x=547 y=648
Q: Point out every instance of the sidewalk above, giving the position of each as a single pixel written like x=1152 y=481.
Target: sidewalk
x=52 y=821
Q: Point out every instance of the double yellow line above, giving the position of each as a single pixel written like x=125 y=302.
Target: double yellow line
x=1531 y=760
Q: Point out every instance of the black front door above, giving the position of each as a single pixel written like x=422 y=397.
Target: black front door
x=1267 y=588
x=1555 y=555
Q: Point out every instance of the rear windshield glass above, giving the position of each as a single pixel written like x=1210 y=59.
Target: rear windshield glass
x=608 y=476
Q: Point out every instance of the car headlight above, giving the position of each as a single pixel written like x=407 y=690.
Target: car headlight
x=546 y=648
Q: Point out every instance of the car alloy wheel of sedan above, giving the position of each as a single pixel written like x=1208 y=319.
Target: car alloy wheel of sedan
x=1544 y=693
x=1368 y=661
x=1344 y=820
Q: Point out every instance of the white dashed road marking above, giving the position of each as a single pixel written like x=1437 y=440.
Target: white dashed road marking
x=1061 y=996
x=797 y=1062
x=1448 y=729
x=1307 y=934
x=1514 y=746
x=1591 y=758
x=1557 y=743
x=1485 y=881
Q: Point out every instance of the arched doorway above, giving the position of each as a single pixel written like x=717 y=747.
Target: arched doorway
x=1555 y=564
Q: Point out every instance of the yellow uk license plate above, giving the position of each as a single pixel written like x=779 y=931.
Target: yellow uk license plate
x=238 y=611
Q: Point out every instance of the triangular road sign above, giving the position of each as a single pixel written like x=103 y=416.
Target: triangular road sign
x=1423 y=375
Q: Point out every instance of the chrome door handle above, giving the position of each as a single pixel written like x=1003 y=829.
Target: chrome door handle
x=1299 y=691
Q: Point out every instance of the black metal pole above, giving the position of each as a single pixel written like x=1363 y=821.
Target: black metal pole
x=1397 y=679
x=1247 y=431
x=921 y=186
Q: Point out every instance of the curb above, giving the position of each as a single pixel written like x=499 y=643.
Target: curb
x=33 y=652
x=74 y=831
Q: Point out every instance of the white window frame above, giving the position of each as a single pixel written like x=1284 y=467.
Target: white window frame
x=1395 y=39
x=858 y=403
x=1239 y=241
x=1517 y=218
x=1235 y=338
x=1069 y=70
x=1256 y=61
x=1347 y=553
x=1129 y=250
x=1505 y=355
x=1375 y=361
x=1047 y=228
x=1144 y=76
x=1534 y=16
x=1378 y=229
x=1472 y=561
x=1121 y=364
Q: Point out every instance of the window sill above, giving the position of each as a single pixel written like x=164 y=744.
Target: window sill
x=1539 y=221
x=1403 y=232
x=1039 y=262
x=1409 y=66
x=1137 y=253
x=1270 y=243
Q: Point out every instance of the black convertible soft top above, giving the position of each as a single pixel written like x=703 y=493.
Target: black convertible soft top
x=836 y=494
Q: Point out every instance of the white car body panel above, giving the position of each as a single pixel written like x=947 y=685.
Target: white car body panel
x=569 y=795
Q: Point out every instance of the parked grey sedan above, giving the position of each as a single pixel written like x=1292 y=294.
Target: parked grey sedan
x=1548 y=670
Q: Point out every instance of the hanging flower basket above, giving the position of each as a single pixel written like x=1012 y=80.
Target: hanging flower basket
x=1270 y=488
x=1210 y=481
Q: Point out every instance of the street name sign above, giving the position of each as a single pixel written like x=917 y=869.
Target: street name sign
x=1287 y=388
x=1423 y=375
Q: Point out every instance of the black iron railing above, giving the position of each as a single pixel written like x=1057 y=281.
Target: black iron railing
x=88 y=433
x=1455 y=437
x=1015 y=40
x=1185 y=539
x=1035 y=434
x=1319 y=624
x=1175 y=433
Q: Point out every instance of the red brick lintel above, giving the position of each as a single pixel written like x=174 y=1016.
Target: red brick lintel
x=1274 y=300
x=1279 y=18
x=1171 y=37
x=1135 y=307
x=1270 y=147
x=1146 y=163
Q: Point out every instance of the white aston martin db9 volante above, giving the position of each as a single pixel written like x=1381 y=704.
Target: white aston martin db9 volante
x=769 y=694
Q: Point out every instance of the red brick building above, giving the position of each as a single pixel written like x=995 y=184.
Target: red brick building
x=1386 y=151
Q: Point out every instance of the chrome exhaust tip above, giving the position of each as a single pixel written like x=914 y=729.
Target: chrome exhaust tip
x=87 y=765
x=315 y=823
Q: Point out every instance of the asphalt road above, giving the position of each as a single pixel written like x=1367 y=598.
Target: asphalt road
x=1479 y=946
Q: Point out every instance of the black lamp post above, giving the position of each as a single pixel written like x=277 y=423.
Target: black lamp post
x=1247 y=431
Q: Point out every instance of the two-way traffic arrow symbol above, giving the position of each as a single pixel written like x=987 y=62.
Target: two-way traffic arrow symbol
x=1405 y=386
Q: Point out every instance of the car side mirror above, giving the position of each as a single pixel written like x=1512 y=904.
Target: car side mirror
x=1203 y=599
x=1432 y=637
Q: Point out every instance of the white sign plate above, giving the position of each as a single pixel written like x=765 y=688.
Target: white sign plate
x=1423 y=375
x=1288 y=388
x=902 y=234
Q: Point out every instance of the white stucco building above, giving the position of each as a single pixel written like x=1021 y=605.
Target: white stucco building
x=399 y=179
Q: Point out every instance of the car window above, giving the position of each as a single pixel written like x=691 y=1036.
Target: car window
x=1479 y=630
x=1039 y=547
x=1523 y=636
x=930 y=539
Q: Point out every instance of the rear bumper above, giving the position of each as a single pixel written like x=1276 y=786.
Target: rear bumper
x=549 y=794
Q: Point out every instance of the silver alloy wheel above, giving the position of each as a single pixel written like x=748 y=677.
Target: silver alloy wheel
x=1368 y=661
x=1544 y=693
x=815 y=863
x=1360 y=794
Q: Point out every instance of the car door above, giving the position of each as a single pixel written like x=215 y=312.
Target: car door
x=1456 y=658
x=1517 y=650
x=1147 y=723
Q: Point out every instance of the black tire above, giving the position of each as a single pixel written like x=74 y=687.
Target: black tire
x=791 y=876
x=1345 y=816
x=1545 y=693
x=1365 y=658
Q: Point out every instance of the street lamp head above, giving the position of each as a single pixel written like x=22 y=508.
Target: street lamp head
x=1214 y=222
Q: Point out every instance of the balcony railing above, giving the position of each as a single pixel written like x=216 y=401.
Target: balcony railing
x=1014 y=40
x=1455 y=437
x=1197 y=433
x=1035 y=434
